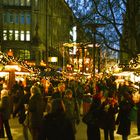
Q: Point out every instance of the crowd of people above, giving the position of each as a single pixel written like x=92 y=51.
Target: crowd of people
x=113 y=109
x=53 y=114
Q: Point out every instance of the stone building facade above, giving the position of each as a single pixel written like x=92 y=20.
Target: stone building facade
x=34 y=29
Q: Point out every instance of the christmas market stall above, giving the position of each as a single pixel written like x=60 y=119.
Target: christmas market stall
x=14 y=72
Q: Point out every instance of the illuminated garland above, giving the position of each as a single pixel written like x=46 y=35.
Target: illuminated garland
x=5 y=59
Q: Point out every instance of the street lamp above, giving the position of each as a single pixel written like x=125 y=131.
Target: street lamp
x=94 y=26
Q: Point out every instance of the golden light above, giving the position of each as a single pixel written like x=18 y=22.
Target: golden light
x=87 y=60
x=42 y=63
x=53 y=59
x=22 y=73
x=71 y=44
x=2 y=74
x=1 y=67
x=13 y=67
x=91 y=45
x=10 y=53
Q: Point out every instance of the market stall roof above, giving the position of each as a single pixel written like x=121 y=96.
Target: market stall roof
x=3 y=73
x=14 y=66
x=124 y=73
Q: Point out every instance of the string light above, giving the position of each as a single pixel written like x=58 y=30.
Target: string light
x=5 y=59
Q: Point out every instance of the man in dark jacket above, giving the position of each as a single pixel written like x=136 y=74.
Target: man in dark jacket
x=109 y=108
x=72 y=108
x=21 y=111
x=36 y=107
x=123 y=120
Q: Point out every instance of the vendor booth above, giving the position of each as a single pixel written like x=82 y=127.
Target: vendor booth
x=14 y=72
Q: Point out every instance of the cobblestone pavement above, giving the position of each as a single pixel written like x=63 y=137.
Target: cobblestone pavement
x=16 y=129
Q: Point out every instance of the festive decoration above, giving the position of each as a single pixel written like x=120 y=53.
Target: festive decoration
x=5 y=59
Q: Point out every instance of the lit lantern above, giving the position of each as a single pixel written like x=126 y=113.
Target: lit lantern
x=10 y=53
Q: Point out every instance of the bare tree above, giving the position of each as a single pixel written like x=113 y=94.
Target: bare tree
x=118 y=18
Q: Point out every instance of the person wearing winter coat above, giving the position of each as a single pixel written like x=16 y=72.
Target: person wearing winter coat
x=56 y=125
x=35 y=111
x=93 y=127
x=123 y=120
x=21 y=111
x=72 y=108
x=5 y=112
x=109 y=109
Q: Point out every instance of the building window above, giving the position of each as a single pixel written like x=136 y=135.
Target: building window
x=28 y=18
x=22 y=2
x=17 y=2
x=16 y=18
x=11 y=35
x=4 y=34
x=22 y=38
x=5 y=18
x=27 y=54
x=22 y=19
x=36 y=3
x=27 y=35
x=28 y=2
x=24 y=54
x=16 y=35
x=11 y=18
